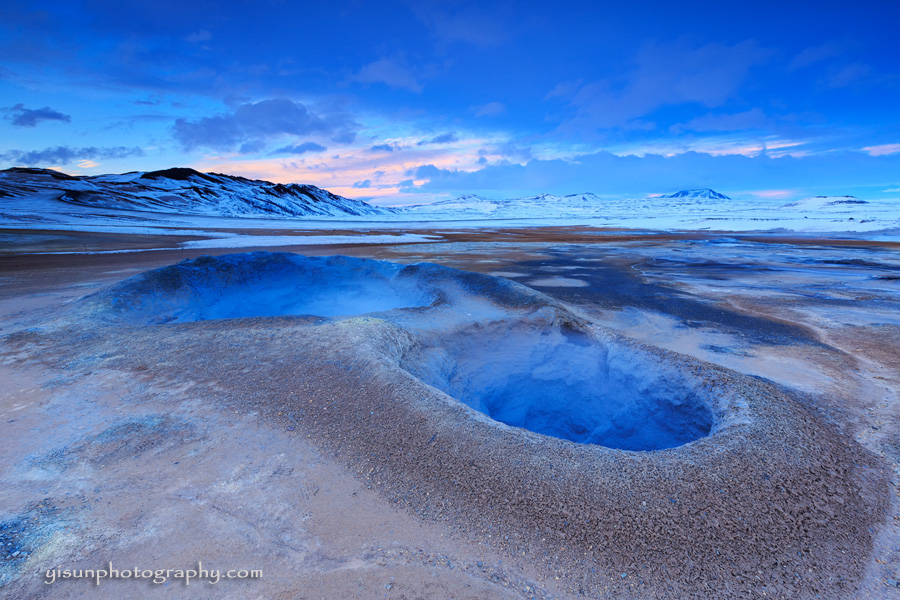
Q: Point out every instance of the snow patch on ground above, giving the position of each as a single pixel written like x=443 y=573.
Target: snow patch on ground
x=558 y=282
x=258 y=241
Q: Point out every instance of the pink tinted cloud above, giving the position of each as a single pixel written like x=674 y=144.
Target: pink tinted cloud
x=882 y=149
x=385 y=171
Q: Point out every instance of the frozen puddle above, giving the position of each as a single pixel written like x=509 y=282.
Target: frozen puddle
x=566 y=384
x=558 y=282
x=263 y=284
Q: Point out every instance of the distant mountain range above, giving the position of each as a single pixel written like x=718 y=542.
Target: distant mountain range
x=185 y=191
x=42 y=198
x=542 y=205
x=188 y=192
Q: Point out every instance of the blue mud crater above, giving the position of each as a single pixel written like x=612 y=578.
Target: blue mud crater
x=563 y=383
x=264 y=284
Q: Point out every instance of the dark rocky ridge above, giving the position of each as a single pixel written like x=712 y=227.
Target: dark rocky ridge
x=185 y=191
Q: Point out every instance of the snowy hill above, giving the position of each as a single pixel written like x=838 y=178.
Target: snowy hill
x=550 y=206
x=540 y=206
x=183 y=191
x=829 y=203
x=698 y=194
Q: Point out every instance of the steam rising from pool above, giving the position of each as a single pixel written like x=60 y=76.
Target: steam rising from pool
x=565 y=384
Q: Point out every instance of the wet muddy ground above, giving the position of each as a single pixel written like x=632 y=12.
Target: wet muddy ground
x=129 y=466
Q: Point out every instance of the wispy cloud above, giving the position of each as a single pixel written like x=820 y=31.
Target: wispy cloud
x=754 y=118
x=444 y=138
x=491 y=109
x=301 y=148
x=481 y=24
x=882 y=149
x=607 y=173
x=386 y=147
x=63 y=155
x=771 y=194
x=199 y=36
x=664 y=74
x=391 y=72
x=27 y=117
x=814 y=54
x=723 y=145
x=271 y=118
x=357 y=171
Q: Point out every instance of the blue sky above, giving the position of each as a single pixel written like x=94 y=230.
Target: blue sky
x=406 y=102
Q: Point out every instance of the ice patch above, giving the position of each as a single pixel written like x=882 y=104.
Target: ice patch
x=566 y=384
x=259 y=241
x=558 y=282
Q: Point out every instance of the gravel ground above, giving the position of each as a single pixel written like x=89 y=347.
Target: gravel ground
x=789 y=497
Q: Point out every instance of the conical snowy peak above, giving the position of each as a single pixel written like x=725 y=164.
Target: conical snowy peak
x=698 y=194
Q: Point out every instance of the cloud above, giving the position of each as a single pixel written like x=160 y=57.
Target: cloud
x=261 y=120
x=848 y=74
x=754 y=118
x=390 y=73
x=26 y=117
x=301 y=148
x=491 y=109
x=564 y=89
x=882 y=149
x=252 y=147
x=199 y=36
x=606 y=173
x=361 y=185
x=507 y=149
x=663 y=75
x=62 y=155
x=384 y=148
x=813 y=54
x=444 y=138
x=479 y=24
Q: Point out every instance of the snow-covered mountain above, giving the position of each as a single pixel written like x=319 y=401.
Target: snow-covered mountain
x=177 y=200
x=828 y=203
x=550 y=206
x=540 y=206
x=184 y=191
x=698 y=194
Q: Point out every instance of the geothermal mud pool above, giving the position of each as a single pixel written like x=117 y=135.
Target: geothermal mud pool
x=474 y=401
